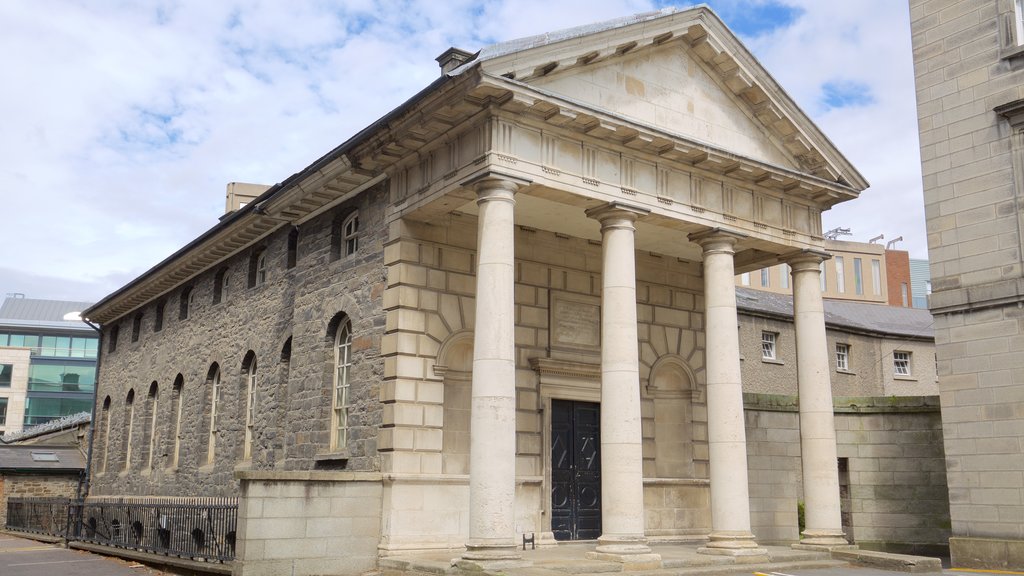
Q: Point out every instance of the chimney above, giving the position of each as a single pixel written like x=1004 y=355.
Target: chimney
x=452 y=58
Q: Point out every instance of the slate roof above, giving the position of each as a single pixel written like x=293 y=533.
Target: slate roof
x=862 y=316
x=28 y=457
x=69 y=421
x=35 y=313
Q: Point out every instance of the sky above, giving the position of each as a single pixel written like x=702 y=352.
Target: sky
x=121 y=122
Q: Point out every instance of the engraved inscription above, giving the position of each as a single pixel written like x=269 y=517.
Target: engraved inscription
x=576 y=322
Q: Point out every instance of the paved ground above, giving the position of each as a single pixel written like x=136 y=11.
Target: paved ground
x=873 y=572
x=21 y=557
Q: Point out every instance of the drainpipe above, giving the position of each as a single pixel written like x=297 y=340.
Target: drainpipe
x=85 y=477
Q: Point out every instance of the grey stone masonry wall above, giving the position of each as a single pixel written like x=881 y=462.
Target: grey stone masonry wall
x=35 y=486
x=288 y=324
x=894 y=482
x=969 y=68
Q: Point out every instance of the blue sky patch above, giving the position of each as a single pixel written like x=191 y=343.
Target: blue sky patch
x=749 y=19
x=845 y=93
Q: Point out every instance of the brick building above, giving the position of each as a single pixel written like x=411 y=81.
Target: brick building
x=525 y=271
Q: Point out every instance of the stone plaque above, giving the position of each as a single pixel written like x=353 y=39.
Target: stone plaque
x=575 y=322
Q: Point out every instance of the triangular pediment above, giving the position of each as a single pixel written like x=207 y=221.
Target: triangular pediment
x=678 y=71
x=666 y=87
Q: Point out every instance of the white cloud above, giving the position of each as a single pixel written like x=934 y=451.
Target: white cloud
x=123 y=121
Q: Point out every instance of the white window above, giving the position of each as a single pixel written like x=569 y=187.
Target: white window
x=901 y=363
x=858 y=276
x=904 y=294
x=876 y=277
x=840 y=275
x=350 y=234
x=211 y=444
x=823 y=277
x=250 y=408
x=766 y=277
x=784 y=272
x=768 y=345
x=843 y=357
x=340 y=405
x=1018 y=13
x=745 y=279
x=261 y=267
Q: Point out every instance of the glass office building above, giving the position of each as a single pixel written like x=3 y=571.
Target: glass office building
x=59 y=377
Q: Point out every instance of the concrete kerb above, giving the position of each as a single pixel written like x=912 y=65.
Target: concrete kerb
x=888 y=561
x=155 y=560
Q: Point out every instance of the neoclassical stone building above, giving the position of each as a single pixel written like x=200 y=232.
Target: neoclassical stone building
x=505 y=308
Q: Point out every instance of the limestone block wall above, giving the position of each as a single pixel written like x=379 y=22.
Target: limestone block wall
x=981 y=365
x=430 y=303
x=306 y=523
x=35 y=486
x=892 y=472
x=288 y=323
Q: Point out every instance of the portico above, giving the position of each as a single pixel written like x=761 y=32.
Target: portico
x=546 y=249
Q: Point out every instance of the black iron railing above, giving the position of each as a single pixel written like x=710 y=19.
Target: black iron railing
x=194 y=528
x=47 y=516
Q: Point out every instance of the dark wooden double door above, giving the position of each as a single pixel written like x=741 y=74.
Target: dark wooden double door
x=575 y=470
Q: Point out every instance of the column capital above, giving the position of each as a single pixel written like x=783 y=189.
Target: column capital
x=492 y=185
x=717 y=239
x=806 y=259
x=616 y=214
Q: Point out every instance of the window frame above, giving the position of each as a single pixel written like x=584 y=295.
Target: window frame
x=137 y=327
x=840 y=275
x=9 y=370
x=350 y=234
x=904 y=363
x=3 y=410
x=216 y=387
x=341 y=385
x=769 y=345
x=129 y=403
x=250 y=408
x=842 y=357
x=154 y=406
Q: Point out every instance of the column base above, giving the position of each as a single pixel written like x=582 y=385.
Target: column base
x=491 y=552
x=823 y=540
x=739 y=544
x=632 y=553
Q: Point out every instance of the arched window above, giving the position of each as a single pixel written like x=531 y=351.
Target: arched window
x=350 y=234
x=187 y=300
x=221 y=286
x=178 y=392
x=106 y=433
x=257 y=267
x=158 y=319
x=154 y=396
x=213 y=384
x=250 y=403
x=136 y=327
x=340 y=402
x=129 y=418
x=293 y=247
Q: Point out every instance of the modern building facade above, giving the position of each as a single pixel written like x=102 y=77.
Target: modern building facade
x=509 y=308
x=969 y=66
x=47 y=361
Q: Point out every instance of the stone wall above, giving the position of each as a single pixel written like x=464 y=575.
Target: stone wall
x=428 y=350
x=892 y=476
x=305 y=523
x=13 y=485
x=288 y=324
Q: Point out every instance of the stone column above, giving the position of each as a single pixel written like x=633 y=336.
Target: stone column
x=622 y=479
x=492 y=457
x=727 y=439
x=824 y=525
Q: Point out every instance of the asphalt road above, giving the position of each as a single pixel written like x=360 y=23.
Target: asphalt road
x=21 y=557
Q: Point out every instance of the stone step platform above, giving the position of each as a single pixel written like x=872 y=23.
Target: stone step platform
x=570 y=559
